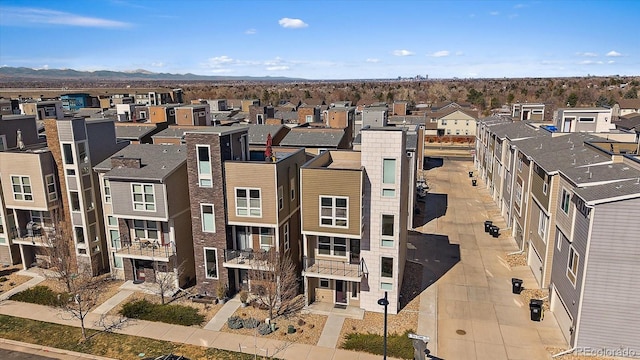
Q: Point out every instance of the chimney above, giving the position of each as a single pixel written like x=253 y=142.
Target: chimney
x=124 y=162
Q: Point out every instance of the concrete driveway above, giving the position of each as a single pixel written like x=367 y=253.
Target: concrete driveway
x=477 y=315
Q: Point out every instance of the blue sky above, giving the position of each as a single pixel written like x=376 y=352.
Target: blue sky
x=326 y=39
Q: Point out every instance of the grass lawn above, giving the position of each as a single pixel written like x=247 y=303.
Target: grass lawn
x=398 y=345
x=111 y=345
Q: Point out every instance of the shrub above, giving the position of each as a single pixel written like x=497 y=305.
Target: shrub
x=301 y=322
x=170 y=314
x=250 y=323
x=399 y=346
x=235 y=322
x=264 y=329
x=3 y=279
x=41 y=295
x=244 y=296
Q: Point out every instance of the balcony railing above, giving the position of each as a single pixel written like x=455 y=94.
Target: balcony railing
x=143 y=248
x=35 y=236
x=246 y=258
x=334 y=267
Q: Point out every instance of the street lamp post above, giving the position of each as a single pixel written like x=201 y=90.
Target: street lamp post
x=384 y=302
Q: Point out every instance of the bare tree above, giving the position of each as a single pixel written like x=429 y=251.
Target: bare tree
x=83 y=296
x=166 y=280
x=274 y=282
x=60 y=252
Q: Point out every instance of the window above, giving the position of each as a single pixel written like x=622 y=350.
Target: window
x=112 y=221
x=309 y=118
x=117 y=262
x=21 y=188
x=545 y=187
x=542 y=226
x=572 y=265
x=248 y=202
x=114 y=236
x=333 y=211
x=467 y=124
x=387 y=230
x=75 y=201
x=280 y=198
x=286 y=237
x=444 y=122
x=266 y=238
x=68 y=154
x=457 y=132
x=386 y=271
x=79 y=235
x=52 y=194
x=586 y=119
x=520 y=162
x=455 y=122
x=354 y=290
x=324 y=283
x=88 y=199
x=566 y=197
x=107 y=191
x=3 y=142
x=143 y=198
x=71 y=172
x=205 y=178
x=211 y=263
x=448 y=131
x=292 y=188
x=559 y=237
x=388 y=177
x=144 y=229
x=43 y=218
x=332 y=246
x=208 y=218
x=82 y=153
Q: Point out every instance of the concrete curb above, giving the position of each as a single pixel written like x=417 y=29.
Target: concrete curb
x=48 y=351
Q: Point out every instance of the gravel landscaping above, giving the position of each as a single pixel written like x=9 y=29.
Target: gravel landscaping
x=12 y=278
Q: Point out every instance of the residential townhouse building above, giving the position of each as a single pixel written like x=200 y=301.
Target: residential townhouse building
x=596 y=239
x=49 y=109
x=196 y=115
x=148 y=214
x=308 y=114
x=317 y=139
x=454 y=121
x=584 y=119
x=528 y=111
x=375 y=116
x=354 y=233
x=77 y=101
x=162 y=113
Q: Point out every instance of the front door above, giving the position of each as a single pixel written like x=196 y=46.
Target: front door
x=567 y=125
x=243 y=237
x=341 y=292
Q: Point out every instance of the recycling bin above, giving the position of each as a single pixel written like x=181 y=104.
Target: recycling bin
x=494 y=231
x=516 y=285
x=474 y=182
x=470 y=173
x=535 y=306
x=487 y=225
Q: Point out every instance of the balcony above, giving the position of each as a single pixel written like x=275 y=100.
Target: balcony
x=36 y=236
x=334 y=269
x=246 y=259
x=143 y=249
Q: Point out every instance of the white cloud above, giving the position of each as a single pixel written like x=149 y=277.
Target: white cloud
x=441 y=53
x=250 y=31
x=278 y=68
x=494 y=13
x=402 y=53
x=220 y=71
x=610 y=62
x=24 y=16
x=459 y=53
x=613 y=53
x=220 y=60
x=590 y=62
x=292 y=23
x=372 y=60
x=157 y=64
x=587 y=54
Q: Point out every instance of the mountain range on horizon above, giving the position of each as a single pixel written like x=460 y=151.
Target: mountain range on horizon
x=25 y=73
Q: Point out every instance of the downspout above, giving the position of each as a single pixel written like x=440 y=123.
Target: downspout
x=564 y=352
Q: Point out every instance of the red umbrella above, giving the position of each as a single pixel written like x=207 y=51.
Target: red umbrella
x=267 y=151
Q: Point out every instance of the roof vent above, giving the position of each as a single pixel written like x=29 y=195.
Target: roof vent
x=619 y=187
x=625 y=168
x=164 y=151
x=590 y=174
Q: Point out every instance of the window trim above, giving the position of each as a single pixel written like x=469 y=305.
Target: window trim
x=586 y=119
x=545 y=188
x=332 y=246
x=143 y=193
x=564 y=204
x=542 y=230
x=55 y=188
x=386 y=237
x=280 y=198
x=271 y=235
x=22 y=193
x=206 y=267
x=248 y=199
x=204 y=176
x=573 y=260
x=106 y=187
x=145 y=227
x=320 y=280
x=292 y=188
x=213 y=214
x=334 y=208
x=286 y=236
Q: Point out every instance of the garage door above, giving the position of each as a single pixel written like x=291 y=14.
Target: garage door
x=562 y=315
x=535 y=263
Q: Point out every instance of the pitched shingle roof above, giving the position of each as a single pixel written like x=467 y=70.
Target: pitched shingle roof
x=258 y=133
x=323 y=137
x=628 y=189
x=133 y=132
x=157 y=162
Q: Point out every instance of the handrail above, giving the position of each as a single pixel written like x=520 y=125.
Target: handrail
x=333 y=267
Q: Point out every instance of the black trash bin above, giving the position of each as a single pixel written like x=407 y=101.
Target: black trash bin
x=494 y=231
x=516 y=285
x=470 y=173
x=474 y=182
x=535 y=306
x=487 y=225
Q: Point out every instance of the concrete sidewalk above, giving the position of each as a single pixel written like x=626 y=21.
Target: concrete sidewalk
x=46 y=351
x=331 y=331
x=190 y=335
x=112 y=302
x=35 y=280
x=220 y=318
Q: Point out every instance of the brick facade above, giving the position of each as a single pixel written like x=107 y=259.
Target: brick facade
x=213 y=195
